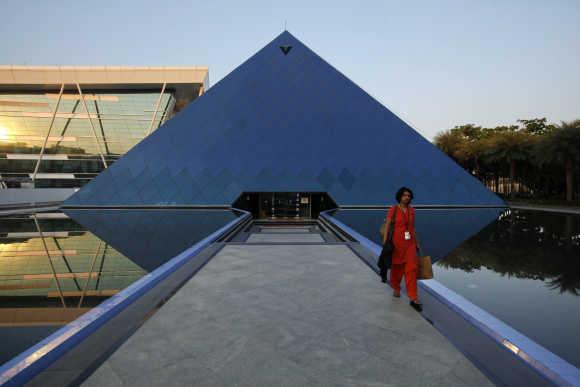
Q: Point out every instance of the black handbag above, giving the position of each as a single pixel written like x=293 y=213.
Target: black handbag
x=386 y=258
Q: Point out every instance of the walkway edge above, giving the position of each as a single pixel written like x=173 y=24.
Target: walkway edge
x=37 y=358
x=539 y=359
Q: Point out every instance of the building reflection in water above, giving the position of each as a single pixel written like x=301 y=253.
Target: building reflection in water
x=52 y=270
x=55 y=266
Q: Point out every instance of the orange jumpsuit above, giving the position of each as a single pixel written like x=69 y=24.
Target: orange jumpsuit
x=405 y=260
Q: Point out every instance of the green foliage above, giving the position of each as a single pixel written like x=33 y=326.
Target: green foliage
x=508 y=145
x=560 y=144
x=543 y=158
x=537 y=126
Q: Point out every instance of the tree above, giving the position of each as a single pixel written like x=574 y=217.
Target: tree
x=510 y=146
x=537 y=126
x=469 y=132
x=451 y=143
x=562 y=146
x=511 y=150
x=462 y=144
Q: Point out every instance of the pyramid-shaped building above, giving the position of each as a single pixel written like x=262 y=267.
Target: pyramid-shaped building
x=283 y=121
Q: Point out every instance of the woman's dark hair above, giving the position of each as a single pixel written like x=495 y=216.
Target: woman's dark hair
x=400 y=193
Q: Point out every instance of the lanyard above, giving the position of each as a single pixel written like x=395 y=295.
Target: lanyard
x=405 y=217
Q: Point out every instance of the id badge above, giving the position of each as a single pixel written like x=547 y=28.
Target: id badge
x=407 y=235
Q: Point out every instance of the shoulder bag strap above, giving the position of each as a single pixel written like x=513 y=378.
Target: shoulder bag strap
x=392 y=226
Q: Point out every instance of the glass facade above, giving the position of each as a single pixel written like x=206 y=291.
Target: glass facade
x=49 y=139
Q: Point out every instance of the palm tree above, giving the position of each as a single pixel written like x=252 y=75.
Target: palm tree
x=562 y=146
x=511 y=147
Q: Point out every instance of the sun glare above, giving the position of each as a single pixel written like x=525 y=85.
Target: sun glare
x=3 y=133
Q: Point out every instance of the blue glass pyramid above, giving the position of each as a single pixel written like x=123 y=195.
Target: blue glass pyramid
x=284 y=120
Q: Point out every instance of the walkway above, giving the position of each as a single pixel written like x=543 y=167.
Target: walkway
x=287 y=307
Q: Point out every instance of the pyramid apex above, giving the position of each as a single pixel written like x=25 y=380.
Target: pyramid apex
x=285 y=35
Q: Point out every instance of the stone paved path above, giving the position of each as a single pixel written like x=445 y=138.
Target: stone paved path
x=286 y=315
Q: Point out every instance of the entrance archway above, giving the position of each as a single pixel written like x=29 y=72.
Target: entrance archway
x=285 y=205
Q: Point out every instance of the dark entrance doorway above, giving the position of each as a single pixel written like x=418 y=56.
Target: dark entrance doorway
x=285 y=205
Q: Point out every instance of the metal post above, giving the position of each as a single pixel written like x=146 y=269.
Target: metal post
x=101 y=267
x=101 y=126
x=37 y=166
x=91 y=123
x=86 y=285
x=63 y=256
x=50 y=262
x=67 y=123
x=156 y=108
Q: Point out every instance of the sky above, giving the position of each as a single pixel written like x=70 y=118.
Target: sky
x=435 y=64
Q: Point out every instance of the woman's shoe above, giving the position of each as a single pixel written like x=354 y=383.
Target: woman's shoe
x=396 y=294
x=417 y=306
x=384 y=280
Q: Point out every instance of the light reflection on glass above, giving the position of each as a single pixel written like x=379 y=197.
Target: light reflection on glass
x=121 y=120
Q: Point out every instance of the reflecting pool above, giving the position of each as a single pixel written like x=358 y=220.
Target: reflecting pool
x=53 y=269
x=523 y=267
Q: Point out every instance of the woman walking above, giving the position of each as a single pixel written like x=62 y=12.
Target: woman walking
x=405 y=245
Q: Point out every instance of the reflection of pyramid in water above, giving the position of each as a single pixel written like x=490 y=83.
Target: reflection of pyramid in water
x=440 y=231
x=151 y=237
x=284 y=120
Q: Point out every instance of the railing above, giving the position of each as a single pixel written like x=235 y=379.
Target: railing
x=505 y=355
x=43 y=355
